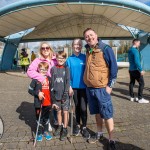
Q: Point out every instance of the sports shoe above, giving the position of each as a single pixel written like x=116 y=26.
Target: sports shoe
x=47 y=136
x=39 y=137
x=132 y=99
x=58 y=131
x=63 y=135
x=111 y=145
x=76 y=130
x=143 y=101
x=96 y=138
x=85 y=133
x=136 y=99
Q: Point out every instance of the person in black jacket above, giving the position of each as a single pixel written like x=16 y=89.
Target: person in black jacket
x=41 y=93
x=60 y=93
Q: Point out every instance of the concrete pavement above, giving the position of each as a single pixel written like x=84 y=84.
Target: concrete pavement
x=132 y=120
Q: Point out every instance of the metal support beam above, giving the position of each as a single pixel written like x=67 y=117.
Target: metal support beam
x=11 y=45
x=2 y=39
x=9 y=53
x=61 y=39
x=132 y=33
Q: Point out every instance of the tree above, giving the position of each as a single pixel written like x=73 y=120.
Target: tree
x=111 y=43
x=123 y=49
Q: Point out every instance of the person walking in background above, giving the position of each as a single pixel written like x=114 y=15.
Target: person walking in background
x=99 y=76
x=24 y=60
x=33 y=56
x=76 y=63
x=47 y=55
x=136 y=72
x=41 y=93
x=60 y=94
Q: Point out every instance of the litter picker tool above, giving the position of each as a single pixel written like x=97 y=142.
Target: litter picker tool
x=71 y=111
x=38 y=124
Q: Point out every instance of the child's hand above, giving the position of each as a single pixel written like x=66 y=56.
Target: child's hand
x=55 y=106
x=41 y=96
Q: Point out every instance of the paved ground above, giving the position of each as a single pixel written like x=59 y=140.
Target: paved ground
x=132 y=120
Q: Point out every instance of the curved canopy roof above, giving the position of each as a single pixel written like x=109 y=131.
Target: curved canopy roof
x=58 y=19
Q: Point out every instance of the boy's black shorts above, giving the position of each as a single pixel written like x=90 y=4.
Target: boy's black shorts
x=63 y=105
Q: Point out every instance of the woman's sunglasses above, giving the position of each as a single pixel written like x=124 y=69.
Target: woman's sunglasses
x=45 y=48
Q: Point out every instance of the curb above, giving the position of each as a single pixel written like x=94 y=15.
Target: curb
x=19 y=74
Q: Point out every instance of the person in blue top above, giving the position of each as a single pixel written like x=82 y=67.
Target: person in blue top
x=76 y=63
x=136 y=72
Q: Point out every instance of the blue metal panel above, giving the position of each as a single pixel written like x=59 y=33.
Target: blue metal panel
x=145 y=54
x=2 y=39
x=8 y=54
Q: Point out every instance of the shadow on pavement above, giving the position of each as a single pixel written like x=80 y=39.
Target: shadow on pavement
x=119 y=96
x=126 y=93
x=120 y=145
x=135 y=86
x=121 y=91
x=26 y=111
x=126 y=84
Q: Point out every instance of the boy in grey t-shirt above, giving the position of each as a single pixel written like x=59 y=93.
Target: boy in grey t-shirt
x=60 y=93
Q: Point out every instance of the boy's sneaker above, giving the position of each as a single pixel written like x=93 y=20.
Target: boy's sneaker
x=85 y=133
x=47 y=136
x=64 y=134
x=58 y=131
x=95 y=138
x=111 y=145
x=143 y=101
x=76 y=130
x=39 y=137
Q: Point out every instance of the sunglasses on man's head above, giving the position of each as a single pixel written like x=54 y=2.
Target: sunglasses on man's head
x=45 y=48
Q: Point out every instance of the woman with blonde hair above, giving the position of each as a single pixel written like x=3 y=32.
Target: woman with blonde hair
x=46 y=54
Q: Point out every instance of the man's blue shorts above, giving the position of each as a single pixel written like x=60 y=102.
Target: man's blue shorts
x=100 y=102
